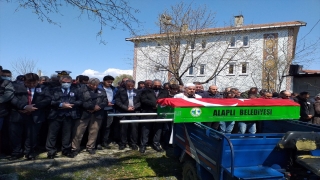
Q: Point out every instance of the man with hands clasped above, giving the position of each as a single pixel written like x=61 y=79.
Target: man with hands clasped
x=66 y=100
x=27 y=114
x=94 y=100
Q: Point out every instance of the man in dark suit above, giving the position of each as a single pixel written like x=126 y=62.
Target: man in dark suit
x=64 y=110
x=27 y=114
x=127 y=100
x=149 y=97
x=94 y=101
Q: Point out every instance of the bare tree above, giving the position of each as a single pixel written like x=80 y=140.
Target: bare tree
x=24 y=66
x=182 y=29
x=110 y=13
x=119 y=78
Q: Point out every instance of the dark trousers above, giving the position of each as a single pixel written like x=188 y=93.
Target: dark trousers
x=129 y=127
x=154 y=127
x=105 y=129
x=17 y=130
x=213 y=125
x=65 y=123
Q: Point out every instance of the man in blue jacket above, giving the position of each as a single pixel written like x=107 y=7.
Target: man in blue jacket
x=103 y=137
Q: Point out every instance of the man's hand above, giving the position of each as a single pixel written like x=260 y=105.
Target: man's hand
x=96 y=108
x=130 y=108
x=23 y=111
x=30 y=108
x=110 y=104
x=67 y=105
x=309 y=116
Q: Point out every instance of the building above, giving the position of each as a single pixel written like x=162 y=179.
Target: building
x=305 y=80
x=241 y=56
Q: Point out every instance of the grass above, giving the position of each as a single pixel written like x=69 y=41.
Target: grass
x=122 y=166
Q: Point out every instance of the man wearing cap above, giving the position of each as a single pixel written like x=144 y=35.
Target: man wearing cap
x=64 y=110
x=316 y=106
x=189 y=92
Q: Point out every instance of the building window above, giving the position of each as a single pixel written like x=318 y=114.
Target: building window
x=231 y=69
x=233 y=42
x=244 y=68
x=191 y=70
x=203 y=43
x=202 y=69
x=245 y=41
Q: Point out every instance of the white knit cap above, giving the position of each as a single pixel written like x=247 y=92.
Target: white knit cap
x=189 y=85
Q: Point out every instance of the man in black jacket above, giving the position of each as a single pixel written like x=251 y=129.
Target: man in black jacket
x=64 y=110
x=94 y=101
x=127 y=100
x=27 y=114
x=306 y=107
x=149 y=97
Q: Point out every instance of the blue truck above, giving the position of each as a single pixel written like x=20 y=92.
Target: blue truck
x=284 y=148
x=208 y=154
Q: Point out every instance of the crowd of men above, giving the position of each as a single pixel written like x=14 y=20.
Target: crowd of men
x=58 y=112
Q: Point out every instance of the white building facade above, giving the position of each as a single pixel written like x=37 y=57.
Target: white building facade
x=241 y=56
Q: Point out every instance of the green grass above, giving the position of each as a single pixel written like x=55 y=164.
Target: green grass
x=128 y=165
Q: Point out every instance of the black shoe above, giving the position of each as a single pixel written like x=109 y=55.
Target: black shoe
x=121 y=147
x=134 y=147
x=99 y=147
x=91 y=151
x=15 y=157
x=158 y=148
x=69 y=154
x=73 y=154
x=30 y=157
x=106 y=145
x=142 y=149
x=50 y=156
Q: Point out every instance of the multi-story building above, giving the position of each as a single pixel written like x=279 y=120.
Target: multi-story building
x=242 y=56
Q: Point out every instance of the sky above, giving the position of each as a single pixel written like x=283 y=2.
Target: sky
x=72 y=45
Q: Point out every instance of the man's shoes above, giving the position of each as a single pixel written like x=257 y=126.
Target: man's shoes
x=121 y=147
x=158 y=148
x=69 y=154
x=134 y=147
x=142 y=149
x=99 y=147
x=15 y=157
x=91 y=151
x=50 y=156
x=30 y=157
x=74 y=154
x=106 y=145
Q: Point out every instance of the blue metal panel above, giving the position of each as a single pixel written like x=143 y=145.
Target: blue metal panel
x=257 y=172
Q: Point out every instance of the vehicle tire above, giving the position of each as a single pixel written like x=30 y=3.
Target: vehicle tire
x=189 y=171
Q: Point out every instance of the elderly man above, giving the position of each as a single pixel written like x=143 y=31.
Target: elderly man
x=149 y=97
x=127 y=100
x=212 y=92
x=66 y=100
x=189 y=92
x=94 y=101
x=285 y=94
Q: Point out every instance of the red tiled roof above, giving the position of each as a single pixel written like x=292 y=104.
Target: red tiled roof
x=229 y=29
x=311 y=71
